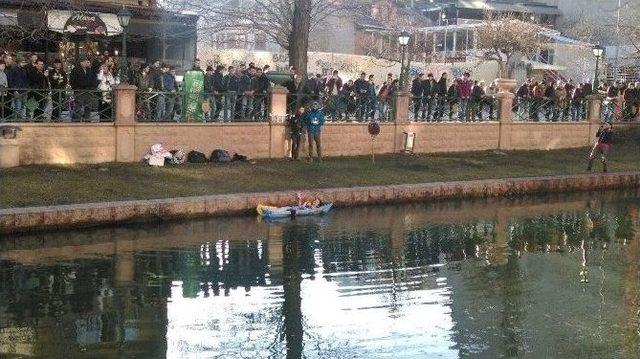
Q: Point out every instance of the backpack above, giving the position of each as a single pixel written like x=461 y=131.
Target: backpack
x=178 y=157
x=196 y=157
x=220 y=156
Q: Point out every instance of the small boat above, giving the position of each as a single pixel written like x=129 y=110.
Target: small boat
x=271 y=212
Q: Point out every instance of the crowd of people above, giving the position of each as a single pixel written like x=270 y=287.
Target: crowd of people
x=32 y=89
x=463 y=99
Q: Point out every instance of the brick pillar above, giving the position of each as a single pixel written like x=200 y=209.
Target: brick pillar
x=594 y=108
x=125 y=121
x=401 y=118
x=505 y=117
x=278 y=142
x=401 y=109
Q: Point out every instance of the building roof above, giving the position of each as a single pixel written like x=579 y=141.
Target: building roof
x=138 y=11
x=507 y=6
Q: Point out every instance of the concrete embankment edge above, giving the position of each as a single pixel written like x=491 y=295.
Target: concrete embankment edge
x=26 y=219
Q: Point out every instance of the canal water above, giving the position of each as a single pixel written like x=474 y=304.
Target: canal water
x=540 y=277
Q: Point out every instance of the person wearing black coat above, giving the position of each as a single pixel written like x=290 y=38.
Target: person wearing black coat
x=84 y=82
x=361 y=89
x=441 y=97
x=208 y=94
x=429 y=91
x=452 y=97
x=232 y=87
x=416 y=92
x=294 y=125
x=217 y=88
x=39 y=85
x=261 y=86
x=17 y=81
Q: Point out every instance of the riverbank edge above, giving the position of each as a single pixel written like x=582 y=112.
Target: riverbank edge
x=29 y=219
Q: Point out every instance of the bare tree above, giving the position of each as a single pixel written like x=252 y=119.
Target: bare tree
x=286 y=22
x=505 y=40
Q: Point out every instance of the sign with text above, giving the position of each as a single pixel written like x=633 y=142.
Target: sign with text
x=82 y=23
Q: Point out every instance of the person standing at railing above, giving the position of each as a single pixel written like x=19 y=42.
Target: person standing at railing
x=562 y=102
x=475 y=101
x=416 y=92
x=144 y=88
x=5 y=107
x=232 y=86
x=208 y=94
x=429 y=92
x=332 y=90
x=246 y=89
x=361 y=89
x=550 y=102
x=83 y=81
x=58 y=81
x=372 y=102
x=538 y=100
x=464 y=94
x=384 y=98
x=629 y=96
x=170 y=85
x=576 y=103
x=441 y=97
x=489 y=99
x=522 y=99
x=158 y=100
x=348 y=99
x=453 y=98
x=106 y=83
x=17 y=80
x=218 y=91
x=39 y=85
x=260 y=93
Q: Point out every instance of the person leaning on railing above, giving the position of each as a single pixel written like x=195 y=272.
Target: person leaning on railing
x=170 y=85
x=5 y=107
x=83 y=81
x=218 y=89
x=58 y=80
x=17 y=81
x=38 y=83
x=260 y=84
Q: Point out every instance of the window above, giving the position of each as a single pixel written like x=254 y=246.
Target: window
x=449 y=40
x=440 y=41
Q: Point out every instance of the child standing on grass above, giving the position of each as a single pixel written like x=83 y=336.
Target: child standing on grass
x=602 y=145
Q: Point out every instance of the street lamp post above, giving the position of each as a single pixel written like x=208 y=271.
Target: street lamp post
x=124 y=16
x=597 y=52
x=403 y=39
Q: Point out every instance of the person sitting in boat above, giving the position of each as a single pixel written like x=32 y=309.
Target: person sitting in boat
x=313 y=204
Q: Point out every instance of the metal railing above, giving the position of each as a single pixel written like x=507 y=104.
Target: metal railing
x=56 y=105
x=446 y=109
x=346 y=107
x=159 y=106
x=549 y=110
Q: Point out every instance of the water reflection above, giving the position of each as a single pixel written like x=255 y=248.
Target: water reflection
x=540 y=277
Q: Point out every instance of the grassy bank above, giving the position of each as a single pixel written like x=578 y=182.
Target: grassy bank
x=49 y=185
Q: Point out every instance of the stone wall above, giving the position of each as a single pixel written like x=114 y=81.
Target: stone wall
x=126 y=140
x=251 y=139
x=64 y=143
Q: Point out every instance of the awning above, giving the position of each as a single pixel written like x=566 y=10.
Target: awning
x=81 y=22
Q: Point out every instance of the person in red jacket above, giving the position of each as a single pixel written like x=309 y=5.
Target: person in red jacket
x=464 y=93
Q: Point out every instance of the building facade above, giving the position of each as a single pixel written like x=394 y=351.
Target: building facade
x=70 y=30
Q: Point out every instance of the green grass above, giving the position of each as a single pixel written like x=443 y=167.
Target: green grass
x=49 y=185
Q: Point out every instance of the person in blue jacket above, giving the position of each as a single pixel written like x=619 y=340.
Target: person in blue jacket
x=313 y=121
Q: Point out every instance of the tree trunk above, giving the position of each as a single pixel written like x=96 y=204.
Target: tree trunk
x=299 y=37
